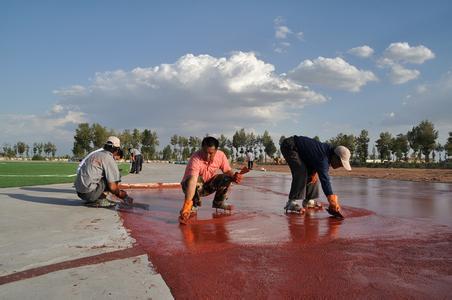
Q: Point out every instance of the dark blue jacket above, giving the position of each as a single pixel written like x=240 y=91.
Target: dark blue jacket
x=316 y=156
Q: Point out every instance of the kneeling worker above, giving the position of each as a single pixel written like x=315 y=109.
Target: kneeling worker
x=201 y=178
x=309 y=160
x=99 y=175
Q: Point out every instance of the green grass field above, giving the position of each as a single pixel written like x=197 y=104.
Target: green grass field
x=17 y=174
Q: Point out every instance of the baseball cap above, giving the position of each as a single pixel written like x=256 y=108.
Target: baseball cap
x=344 y=155
x=114 y=141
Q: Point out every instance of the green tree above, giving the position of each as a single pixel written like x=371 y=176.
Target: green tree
x=269 y=145
x=362 y=145
x=82 y=141
x=21 y=148
x=346 y=140
x=400 y=147
x=224 y=145
x=167 y=153
x=149 y=141
x=384 y=145
x=426 y=137
x=239 y=141
x=99 y=134
x=173 y=141
x=136 y=138
x=448 y=146
x=195 y=143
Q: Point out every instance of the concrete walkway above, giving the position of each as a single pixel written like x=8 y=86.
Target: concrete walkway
x=53 y=247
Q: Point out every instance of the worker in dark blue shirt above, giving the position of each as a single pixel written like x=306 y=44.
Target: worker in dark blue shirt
x=309 y=161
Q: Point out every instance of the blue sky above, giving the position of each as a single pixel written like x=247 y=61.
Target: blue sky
x=194 y=67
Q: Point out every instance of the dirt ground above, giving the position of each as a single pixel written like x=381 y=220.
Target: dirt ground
x=420 y=175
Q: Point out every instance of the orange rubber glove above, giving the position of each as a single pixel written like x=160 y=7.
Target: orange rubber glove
x=313 y=178
x=185 y=212
x=333 y=200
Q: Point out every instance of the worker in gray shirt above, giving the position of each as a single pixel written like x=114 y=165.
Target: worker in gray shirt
x=136 y=159
x=99 y=175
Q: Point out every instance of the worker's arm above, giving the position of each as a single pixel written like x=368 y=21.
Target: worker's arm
x=191 y=188
x=114 y=188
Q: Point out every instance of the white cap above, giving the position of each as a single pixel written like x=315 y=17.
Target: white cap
x=344 y=155
x=114 y=141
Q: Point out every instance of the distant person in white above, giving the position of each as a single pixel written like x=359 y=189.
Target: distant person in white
x=250 y=159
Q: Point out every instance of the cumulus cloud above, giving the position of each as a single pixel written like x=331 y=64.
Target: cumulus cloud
x=334 y=73
x=404 y=53
x=400 y=75
x=362 y=51
x=397 y=55
x=194 y=95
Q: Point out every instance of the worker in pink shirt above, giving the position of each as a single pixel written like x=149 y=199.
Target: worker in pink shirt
x=201 y=178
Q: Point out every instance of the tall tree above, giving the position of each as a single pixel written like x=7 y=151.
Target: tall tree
x=21 y=147
x=384 y=144
x=174 y=141
x=346 y=140
x=448 y=146
x=82 y=140
x=136 y=138
x=167 y=153
x=149 y=141
x=426 y=137
x=99 y=134
x=362 y=145
x=269 y=145
x=195 y=144
x=239 y=140
x=224 y=144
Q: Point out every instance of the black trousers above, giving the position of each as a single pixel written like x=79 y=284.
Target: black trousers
x=301 y=187
x=137 y=164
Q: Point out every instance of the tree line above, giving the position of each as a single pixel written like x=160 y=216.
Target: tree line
x=37 y=151
x=419 y=143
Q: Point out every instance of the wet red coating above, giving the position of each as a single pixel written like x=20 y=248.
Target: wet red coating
x=394 y=243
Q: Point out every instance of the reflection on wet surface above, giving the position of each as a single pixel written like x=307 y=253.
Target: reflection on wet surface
x=391 y=228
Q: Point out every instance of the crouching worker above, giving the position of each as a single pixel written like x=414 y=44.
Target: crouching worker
x=201 y=178
x=309 y=161
x=99 y=175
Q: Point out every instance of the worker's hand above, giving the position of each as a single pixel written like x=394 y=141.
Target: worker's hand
x=333 y=200
x=122 y=194
x=185 y=212
x=237 y=178
x=313 y=178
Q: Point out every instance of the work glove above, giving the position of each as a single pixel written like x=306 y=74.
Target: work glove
x=333 y=200
x=185 y=212
x=313 y=178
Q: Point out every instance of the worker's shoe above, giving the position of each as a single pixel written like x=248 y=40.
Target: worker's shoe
x=311 y=203
x=101 y=203
x=223 y=206
x=293 y=206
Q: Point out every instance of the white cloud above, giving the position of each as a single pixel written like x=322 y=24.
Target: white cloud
x=333 y=73
x=74 y=90
x=404 y=53
x=400 y=75
x=300 y=35
x=362 y=51
x=281 y=32
x=194 y=95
